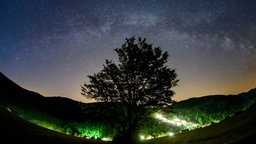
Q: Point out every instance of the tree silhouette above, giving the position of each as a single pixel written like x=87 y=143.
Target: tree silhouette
x=139 y=80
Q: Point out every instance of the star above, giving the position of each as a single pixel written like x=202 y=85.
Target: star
x=51 y=46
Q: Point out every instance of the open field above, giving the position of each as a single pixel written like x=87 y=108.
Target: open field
x=15 y=130
x=240 y=128
x=237 y=127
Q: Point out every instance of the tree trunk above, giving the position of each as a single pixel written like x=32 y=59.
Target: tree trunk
x=131 y=116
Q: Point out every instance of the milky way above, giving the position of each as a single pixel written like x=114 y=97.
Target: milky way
x=50 y=46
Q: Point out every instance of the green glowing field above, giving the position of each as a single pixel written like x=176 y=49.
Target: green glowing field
x=15 y=130
x=153 y=125
x=28 y=117
x=237 y=129
x=96 y=125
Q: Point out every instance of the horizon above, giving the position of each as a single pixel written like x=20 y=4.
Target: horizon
x=51 y=46
x=93 y=101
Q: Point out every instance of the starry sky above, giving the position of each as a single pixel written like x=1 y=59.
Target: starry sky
x=51 y=46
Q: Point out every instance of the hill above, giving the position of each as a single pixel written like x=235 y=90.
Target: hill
x=15 y=130
x=211 y=109
x=57 y=113
x=100 y=120
x=238 y=129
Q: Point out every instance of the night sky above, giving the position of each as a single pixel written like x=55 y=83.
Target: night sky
x=50 y=46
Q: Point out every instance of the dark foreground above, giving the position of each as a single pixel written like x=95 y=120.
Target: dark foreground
x=15 y=130
x=240 y=128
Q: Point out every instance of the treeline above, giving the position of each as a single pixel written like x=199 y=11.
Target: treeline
x=211 y=109
x=101 y=120
x=86 y=128
x=200 y=112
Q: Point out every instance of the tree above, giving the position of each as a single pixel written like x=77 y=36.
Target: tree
x=141 y=79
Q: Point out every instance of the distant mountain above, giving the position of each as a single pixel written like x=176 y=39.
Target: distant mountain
x=65 y=109
x=69 y=115
x=208 y=109
x=213 y=100
x=13 y=94
x=70 y=110
x=251 y=94
x=59 y=113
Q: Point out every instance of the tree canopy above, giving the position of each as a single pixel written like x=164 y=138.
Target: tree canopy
x=139 y=79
